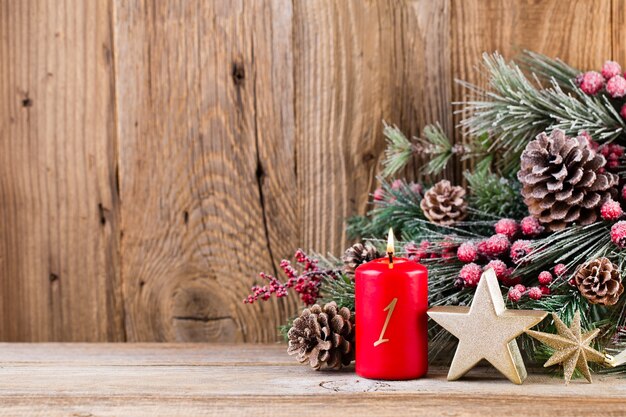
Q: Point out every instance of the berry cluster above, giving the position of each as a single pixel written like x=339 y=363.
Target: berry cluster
x=504 y=250
x=545 y=278
x=610 y=80
x=306 y=282
x=427 y=250
x=611 y=210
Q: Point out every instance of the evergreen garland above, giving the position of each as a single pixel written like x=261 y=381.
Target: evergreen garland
x=524 y=98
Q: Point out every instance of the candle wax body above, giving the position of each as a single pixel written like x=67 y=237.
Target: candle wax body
x=392 y=325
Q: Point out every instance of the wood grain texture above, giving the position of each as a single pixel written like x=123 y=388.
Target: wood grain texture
x=155 y=156
x=618 y=26
x=218 y=380
x=577 y=31
x=207 y=174
x=356 y=64
x=59 y=252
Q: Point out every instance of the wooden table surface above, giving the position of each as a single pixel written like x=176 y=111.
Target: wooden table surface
x=83 y=380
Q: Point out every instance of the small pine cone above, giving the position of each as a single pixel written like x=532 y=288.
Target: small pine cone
x=323 y=336
x=358 y=254
x=563 y=182
x=599 y=282
x=444 y=204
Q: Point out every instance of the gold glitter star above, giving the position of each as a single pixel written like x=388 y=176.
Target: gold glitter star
x=487 y=330
x=571 y=347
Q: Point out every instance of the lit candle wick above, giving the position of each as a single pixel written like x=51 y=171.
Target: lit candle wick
x=390 y=247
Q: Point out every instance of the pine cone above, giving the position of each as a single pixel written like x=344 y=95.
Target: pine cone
x=562 y=182
x=444 y=203
x=600 y=282
x=323 y=336
x=358 y=254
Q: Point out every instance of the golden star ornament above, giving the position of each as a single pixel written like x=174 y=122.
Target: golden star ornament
x=487 y=330
x=571 y=347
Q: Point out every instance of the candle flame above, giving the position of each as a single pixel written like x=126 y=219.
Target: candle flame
x=390 y=247
x=390 y=242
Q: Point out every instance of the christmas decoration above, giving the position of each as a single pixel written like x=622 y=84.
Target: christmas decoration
x=507 y=227
x=542 y=208
x=500 y=268
x=572 y=347
x=323 y=336
x=486 y=330
x=391 y=302
x=560 y=270
x=611 y=69
x=599 y=281
x=444 y=203
x=519 y=250
x=561 y=183
x=496 y=245
x=618 y=234
x=611 y=210
x=306 y=283
x=591 y=82
x=467 y=252
x=545 y=277
x=616 y=86
x=358 y=254
x=531 y=226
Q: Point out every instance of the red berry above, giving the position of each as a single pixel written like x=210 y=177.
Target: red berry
x=511 y=281
x=520 y=288
x=535 y=293
x=413 y=252
x=500 y=268
x=616 y=86
x=482 y=248
x=379 y=194
x=611 y=69
x=416 y=188
x=396 y=185
x=519 y=250
x=514 y=295
x=496 y=245
x=618 y=234
x=467 y=252
x=591 y=82
x=507 y=227
x=559 y=269
x=544 y=290
x=470 y=274
x=545 y=277
x=611 y=210
x=531 y=226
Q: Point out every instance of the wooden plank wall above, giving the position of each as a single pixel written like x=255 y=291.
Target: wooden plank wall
x=154 y=156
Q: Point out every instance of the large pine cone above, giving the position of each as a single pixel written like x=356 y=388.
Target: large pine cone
x=562 y=181
x=323 y=336
x=600 y=282
x=358 y=254
x=444 y=204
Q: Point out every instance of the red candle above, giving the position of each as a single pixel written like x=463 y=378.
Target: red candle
x=391 y=297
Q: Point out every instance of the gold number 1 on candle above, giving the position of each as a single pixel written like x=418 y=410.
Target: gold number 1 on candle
x=389 y=309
